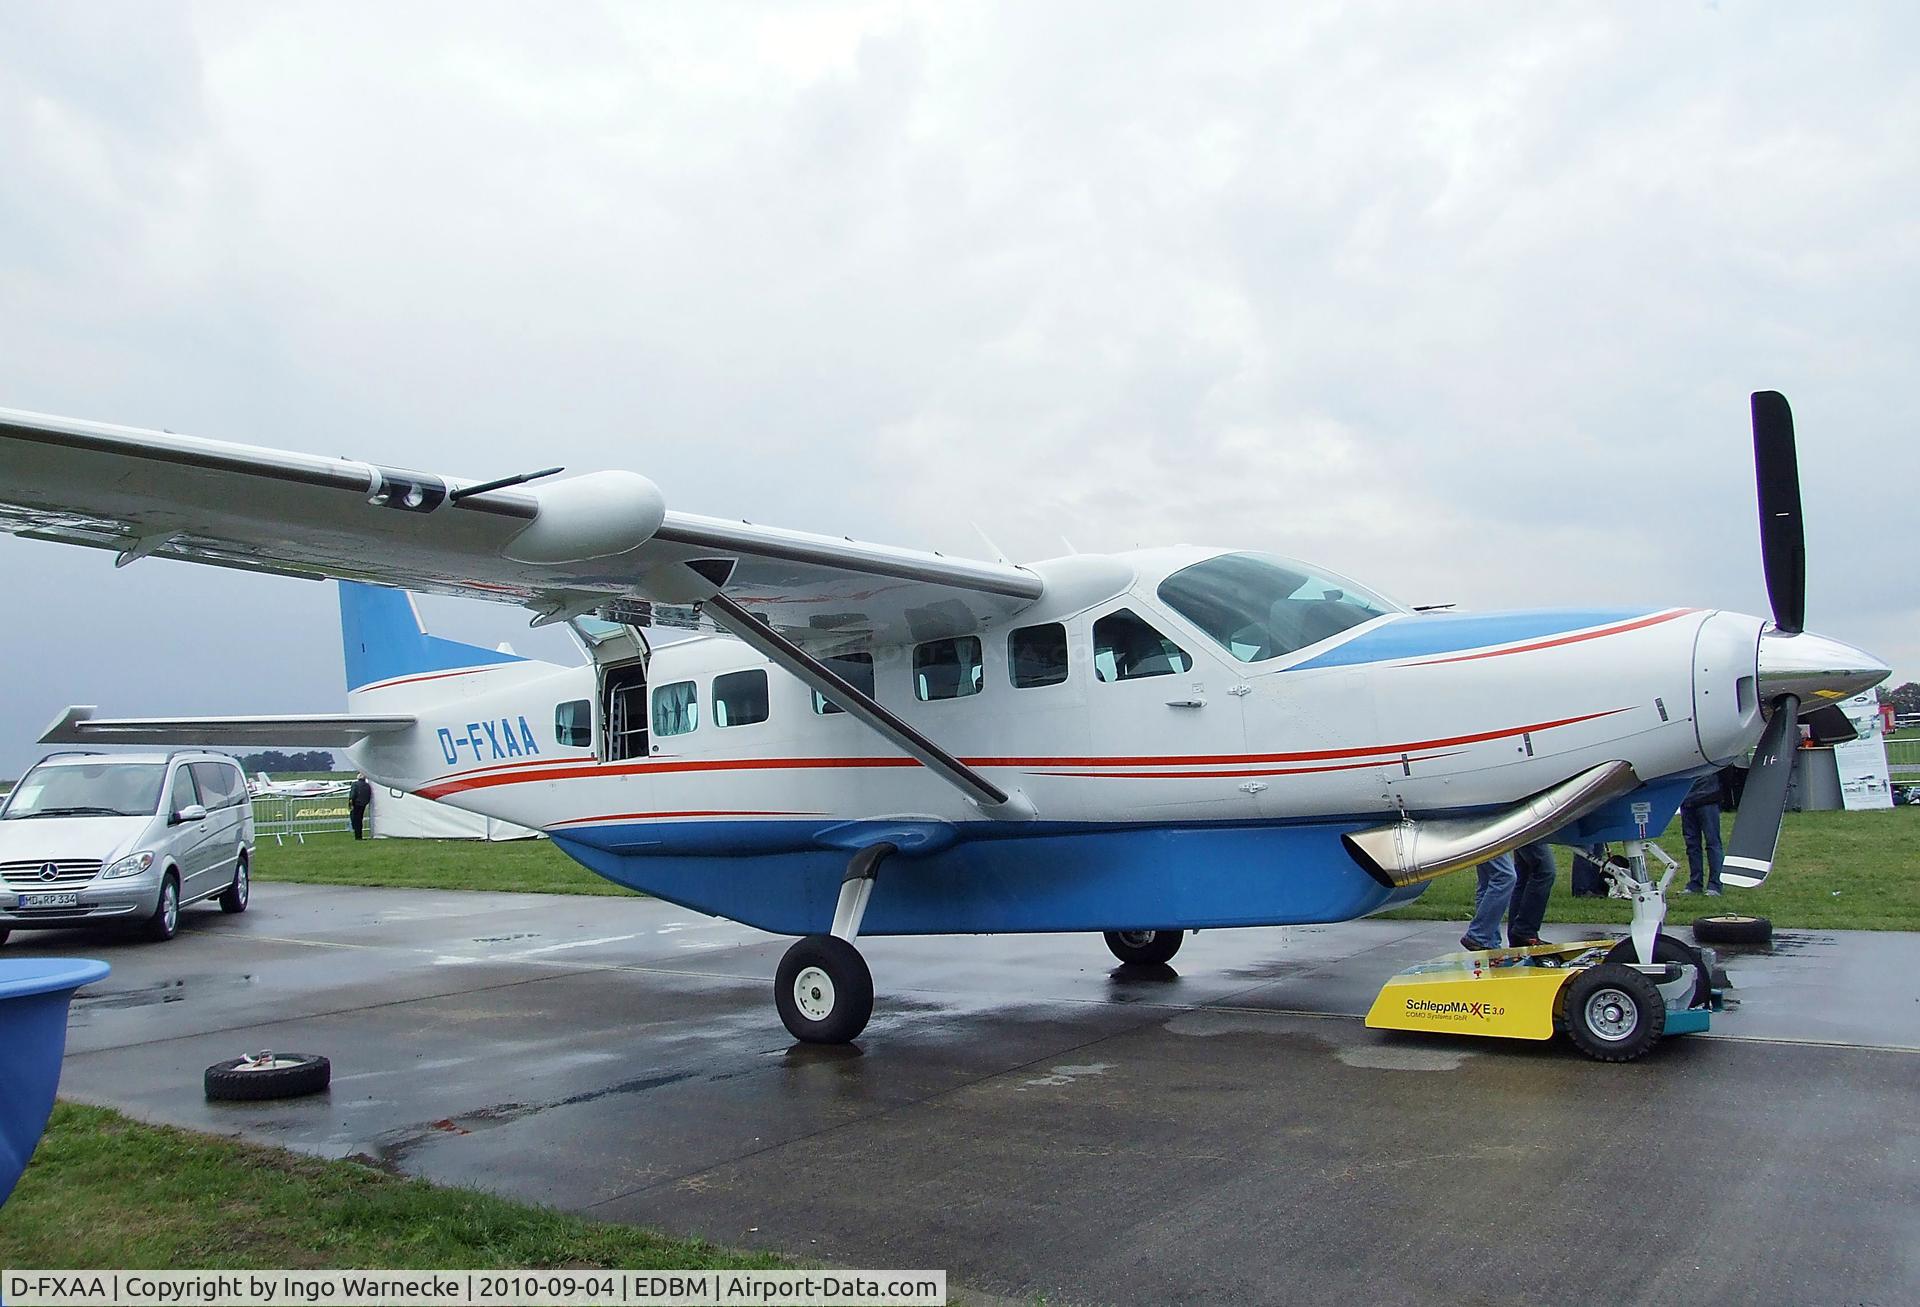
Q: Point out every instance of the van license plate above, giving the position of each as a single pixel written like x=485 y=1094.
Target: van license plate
x=49 y=900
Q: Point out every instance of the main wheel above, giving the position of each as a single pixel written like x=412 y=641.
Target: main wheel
x=165 y=920
x=3 y=935
x=1145 y=947
x=1668 y=949
x=234 y=897
x=1614 y=1013
x=823 y=990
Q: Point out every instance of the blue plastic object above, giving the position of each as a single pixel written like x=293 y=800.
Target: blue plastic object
x=34 y=993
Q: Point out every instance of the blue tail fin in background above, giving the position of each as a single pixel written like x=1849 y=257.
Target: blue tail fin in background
x=381 y=638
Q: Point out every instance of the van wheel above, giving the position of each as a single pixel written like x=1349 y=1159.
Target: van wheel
x=234 y=897
x=165 y=921
x=3 y=935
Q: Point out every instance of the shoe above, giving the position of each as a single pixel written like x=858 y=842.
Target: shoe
x=1526 y=941
x=1713 y=893
x=1470 y=946
x=1691 y=889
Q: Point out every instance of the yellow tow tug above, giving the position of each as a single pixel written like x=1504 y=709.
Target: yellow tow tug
x=1614 y=998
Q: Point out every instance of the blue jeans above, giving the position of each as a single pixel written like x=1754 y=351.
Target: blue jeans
x=1701 y=826
x=1490 y=901
x=1534 y=875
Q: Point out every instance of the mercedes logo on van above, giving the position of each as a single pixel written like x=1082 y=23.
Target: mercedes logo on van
x=50 y=872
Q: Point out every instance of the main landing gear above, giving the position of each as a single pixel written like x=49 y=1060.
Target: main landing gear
x=823 y=988
x=1145 y=947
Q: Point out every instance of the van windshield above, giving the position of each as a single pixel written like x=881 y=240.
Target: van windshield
x=103 y=789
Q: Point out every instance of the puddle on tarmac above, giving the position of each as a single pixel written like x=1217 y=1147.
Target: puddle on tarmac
x=165 y=991
x=1066 y=1075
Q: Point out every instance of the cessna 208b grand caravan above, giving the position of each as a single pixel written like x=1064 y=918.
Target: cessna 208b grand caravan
x=871 y=740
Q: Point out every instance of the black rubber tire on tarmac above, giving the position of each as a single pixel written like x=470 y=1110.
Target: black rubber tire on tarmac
x=1614 y=1013
x=1144 y=947
x=304 y=1074
x=3 y=935
x=1666 y=948
x=162 y=925
x=235 y=897
x=838 y=996
x=1732 y=928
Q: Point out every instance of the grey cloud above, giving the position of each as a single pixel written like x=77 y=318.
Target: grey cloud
x=1463 y=302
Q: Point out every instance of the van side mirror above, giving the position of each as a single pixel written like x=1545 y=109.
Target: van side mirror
x=192 y=812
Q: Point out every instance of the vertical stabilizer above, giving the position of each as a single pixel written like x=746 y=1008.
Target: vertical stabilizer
x=382 y=640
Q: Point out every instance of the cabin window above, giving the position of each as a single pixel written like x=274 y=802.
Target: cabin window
x=1258 y=607
x=947 y=669
x=740 y=698
x=1037 y=655
x=854 y=668
x=573 y=724
x=676 y=708
x=1125 y=648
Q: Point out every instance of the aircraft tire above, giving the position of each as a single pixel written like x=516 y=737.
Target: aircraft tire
x=288 y=1075
x=1144 y=947
x=1666 y=949
x=1733 y=928
x=1614 y=1013
x=823 y=990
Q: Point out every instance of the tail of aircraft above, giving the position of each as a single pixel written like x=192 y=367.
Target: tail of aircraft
x=382 y=639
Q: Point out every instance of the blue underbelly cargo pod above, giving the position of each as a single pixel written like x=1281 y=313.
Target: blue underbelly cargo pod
x=33 y=1038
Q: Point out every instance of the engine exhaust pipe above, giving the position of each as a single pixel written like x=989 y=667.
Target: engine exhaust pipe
x=1414 y=850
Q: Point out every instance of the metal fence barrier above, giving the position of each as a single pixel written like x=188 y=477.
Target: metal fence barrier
x=285 y=816
x=1903 y=759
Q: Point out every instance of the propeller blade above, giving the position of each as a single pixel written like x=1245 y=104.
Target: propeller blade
x=1756 y=827
x=1783 y=544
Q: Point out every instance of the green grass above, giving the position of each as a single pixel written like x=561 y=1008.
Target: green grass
x=1833 y=871
x=106 y=1191
x=526 y=866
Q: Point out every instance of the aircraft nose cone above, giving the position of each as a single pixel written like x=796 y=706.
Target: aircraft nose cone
x=1814 y=668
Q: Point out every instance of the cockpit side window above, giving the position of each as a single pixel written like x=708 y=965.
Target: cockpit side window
x=1125 y=648
x=1258 y=607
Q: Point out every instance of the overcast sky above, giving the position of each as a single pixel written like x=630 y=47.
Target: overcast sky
x=1466 y=304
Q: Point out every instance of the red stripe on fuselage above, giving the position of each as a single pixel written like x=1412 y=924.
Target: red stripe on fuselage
x=425 y=676
x=524 y=773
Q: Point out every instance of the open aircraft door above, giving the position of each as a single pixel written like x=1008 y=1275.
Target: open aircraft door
x=619 y=653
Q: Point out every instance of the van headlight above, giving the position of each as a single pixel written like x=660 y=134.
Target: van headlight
x=131 y=865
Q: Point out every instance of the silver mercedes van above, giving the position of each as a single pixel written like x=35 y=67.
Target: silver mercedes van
x=95 y=838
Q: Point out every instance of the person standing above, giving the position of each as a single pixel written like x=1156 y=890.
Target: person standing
x=1534 y=874
x=1700 y=824
x=1491 y=899
x=359 y=799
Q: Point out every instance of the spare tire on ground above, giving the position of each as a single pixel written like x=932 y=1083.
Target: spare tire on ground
x=268 y=1075
x=1732 y=928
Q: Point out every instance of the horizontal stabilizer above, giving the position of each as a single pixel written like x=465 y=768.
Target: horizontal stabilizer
x=318 y=730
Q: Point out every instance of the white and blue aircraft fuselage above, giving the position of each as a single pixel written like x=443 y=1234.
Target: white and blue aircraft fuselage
x=862 y=740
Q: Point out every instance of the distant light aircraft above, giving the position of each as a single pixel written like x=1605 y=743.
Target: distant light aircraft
x=883 y=741
x=263 y=786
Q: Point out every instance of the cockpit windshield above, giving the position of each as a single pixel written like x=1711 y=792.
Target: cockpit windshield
x=1257 y=606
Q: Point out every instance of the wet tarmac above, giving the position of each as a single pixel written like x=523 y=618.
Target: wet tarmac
x=1039 y=1121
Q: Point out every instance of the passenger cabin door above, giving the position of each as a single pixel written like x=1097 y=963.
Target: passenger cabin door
x=620 y=654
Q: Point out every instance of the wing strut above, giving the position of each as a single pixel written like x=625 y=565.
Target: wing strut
x=763 y=639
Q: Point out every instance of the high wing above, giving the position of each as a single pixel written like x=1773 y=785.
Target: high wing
x=604 y=541
x=322 y=731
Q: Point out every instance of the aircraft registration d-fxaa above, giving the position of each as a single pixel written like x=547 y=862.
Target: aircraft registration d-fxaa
x=860 y=739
